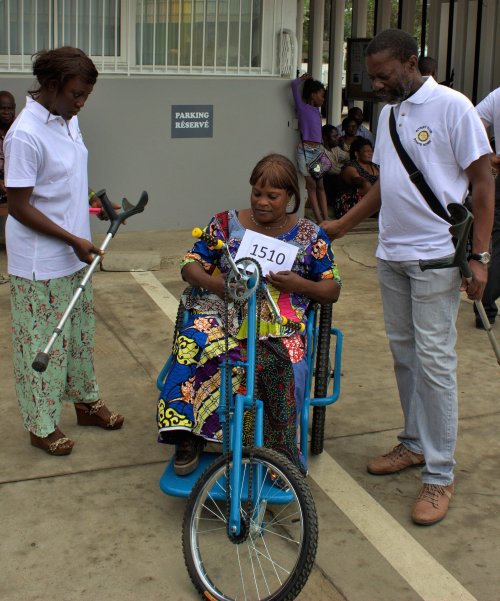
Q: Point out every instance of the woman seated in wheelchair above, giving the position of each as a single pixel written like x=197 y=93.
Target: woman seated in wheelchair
x=187 y=407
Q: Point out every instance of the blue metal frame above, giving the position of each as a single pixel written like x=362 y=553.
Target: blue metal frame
x=181 y=486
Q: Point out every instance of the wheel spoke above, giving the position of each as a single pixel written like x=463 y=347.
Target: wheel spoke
x=260 y=565
x=213 y=513
x=297 y=542
x=273 y=563
x=287 y=517
x=241 y=571
x=220 y=514
x=253 y=569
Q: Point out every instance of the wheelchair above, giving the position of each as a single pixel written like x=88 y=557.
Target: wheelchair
x=250 y=528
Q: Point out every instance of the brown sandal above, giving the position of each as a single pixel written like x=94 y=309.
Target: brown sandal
x=97 y=414
x=51 y=445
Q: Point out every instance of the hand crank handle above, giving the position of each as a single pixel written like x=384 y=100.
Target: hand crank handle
x=218 y=245
x=281 y=319
x=293 y=325
x=210 y=240
x=129 y=209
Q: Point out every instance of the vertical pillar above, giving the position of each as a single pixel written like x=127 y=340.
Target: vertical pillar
x=316 y=51
x=495 y=54
x=359 y=14
x=488 y=79
x=383 y=21
x=408 y=19
x=433 y=45
x=462 y=44
x=299 y=29
x=336 y=53
x=383 y=15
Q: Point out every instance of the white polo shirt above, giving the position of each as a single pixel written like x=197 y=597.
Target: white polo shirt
x=441 y=131
x=489 y=111
x=47 y=153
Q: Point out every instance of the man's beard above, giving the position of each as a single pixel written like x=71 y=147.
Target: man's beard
x=397 y=94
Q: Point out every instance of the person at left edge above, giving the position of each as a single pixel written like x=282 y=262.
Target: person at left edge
x=489 y=112
x=7 y=116
x=48 y=247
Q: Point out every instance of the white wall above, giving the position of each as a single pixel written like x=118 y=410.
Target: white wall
x=126 y=126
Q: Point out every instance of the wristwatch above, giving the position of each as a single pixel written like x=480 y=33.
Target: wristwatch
x=483 y=258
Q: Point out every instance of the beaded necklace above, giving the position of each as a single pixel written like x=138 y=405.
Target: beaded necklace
x=269 y=227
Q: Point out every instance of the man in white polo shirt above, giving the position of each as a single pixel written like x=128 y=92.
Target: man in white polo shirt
x=440 y=130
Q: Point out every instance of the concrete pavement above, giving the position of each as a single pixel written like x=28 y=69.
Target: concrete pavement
x=94 y=526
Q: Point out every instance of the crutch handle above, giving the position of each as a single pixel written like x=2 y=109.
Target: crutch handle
x=129 y=209
x=441 y=263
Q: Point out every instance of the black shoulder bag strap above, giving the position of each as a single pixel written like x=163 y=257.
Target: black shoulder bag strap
x=416 y=176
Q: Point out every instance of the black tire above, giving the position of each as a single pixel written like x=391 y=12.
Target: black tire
x=322 y=375
x=289 y=532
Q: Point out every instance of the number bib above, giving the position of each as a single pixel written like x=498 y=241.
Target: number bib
x=271 y=254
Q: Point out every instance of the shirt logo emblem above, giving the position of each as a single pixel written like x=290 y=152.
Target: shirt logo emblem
x=423 y=136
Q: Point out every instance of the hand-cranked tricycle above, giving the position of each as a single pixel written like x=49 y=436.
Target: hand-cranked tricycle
x=250 y=528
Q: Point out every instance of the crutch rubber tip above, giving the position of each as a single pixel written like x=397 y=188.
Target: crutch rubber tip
x=41 y=361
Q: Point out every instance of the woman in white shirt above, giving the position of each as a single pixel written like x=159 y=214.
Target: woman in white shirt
x=48 y=247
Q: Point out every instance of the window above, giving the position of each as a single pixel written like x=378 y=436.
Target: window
x=204 y=35
x=238 y=37
x=30 y=25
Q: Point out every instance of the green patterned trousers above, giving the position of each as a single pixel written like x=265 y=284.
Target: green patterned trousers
x=37 y=307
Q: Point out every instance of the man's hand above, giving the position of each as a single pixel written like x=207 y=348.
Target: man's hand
x=495 y=163
x=475 y=288
x=332 y=228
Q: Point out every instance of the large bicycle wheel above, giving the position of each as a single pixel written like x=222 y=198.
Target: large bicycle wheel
x=321 y=378
x=275 y=553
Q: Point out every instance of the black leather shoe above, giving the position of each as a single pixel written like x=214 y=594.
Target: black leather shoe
x=187 y=455
x=479 y=323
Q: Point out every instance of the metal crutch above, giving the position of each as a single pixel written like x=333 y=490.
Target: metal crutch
x=42 y=358
x=462 y=222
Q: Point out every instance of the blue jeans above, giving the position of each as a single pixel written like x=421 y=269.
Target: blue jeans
x=305 y=154
x=420 y=311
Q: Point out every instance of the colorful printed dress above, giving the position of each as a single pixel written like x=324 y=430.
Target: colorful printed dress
x=348 y=196
x=190 y=395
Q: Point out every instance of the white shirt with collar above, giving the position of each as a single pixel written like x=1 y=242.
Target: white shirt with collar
x=47 y=153
x=489 y=111
x=442 y=133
